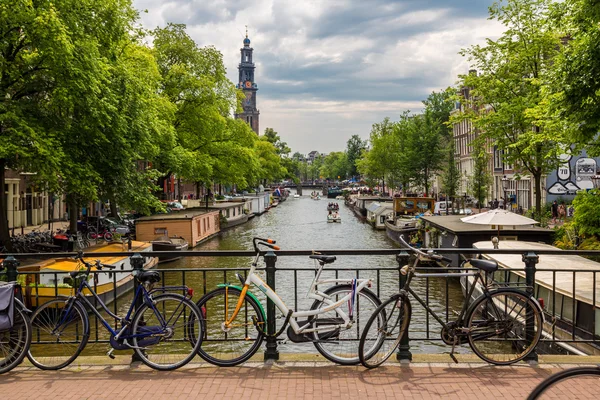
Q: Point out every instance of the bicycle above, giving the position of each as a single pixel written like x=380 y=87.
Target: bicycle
x=584 y=380
x=15 y=341
x=234 y=329
x=502 y=325
x=163 y=330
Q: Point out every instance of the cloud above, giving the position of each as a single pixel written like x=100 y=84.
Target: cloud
x=329 y=69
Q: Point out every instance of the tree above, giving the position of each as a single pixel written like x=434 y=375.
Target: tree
x=574 y=94
x=335 y=166
x=451 y=173
x=508 y=89
x=481 y=178
x=354 y=149
x=381 y=160
x=273 y=137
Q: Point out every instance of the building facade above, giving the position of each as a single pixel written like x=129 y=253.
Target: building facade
x=246 y=81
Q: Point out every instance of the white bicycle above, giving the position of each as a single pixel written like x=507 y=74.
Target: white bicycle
x=235 y=320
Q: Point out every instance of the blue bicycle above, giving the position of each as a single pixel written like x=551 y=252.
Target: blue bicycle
x=165 y=331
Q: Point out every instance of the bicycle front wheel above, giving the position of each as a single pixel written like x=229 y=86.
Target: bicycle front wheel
x=60 y=332
x=384 y=331
x=341 y=345
x=166 y=333
x=15 y=342
x=235 y=344
x=504 y=327
x=574 y=383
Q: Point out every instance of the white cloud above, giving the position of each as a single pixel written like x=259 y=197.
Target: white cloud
x=329 y=69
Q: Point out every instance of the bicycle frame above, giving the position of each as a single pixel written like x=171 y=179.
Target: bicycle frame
x=313 y=293
x=412 y=273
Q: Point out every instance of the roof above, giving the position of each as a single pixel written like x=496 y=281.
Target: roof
x=454 y=224
x=179 y=215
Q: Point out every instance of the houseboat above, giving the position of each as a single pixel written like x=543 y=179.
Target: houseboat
x=377 y=213
x=567 y=297
x=194 y=226
x=234 y=213
x=405 y=215
x=54 y=280
x=361 y=204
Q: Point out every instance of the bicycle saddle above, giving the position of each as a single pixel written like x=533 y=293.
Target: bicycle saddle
x=148 y=276
x=484 y=265
x=322 y=258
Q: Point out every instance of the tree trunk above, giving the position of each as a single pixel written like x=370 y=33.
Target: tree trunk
x=4 y=231
x=113 y=206
x=198 y=184
x=383 y=186
x=179 y=196
x=537 y=179
x=73 y=214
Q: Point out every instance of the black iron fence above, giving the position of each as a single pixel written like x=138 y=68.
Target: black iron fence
x=567 y=295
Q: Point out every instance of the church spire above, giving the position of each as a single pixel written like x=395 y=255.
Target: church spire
x=246 y=83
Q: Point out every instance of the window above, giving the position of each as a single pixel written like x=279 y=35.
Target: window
x=160 y=231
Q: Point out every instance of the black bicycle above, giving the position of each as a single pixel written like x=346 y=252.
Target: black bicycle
x=502 y=325
x=15 y=337
x=573 y=383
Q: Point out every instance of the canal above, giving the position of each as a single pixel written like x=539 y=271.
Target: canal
x=301 y=224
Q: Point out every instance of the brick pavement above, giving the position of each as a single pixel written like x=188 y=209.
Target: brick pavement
x=297 y=380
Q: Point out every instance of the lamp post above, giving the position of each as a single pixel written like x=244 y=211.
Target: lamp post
x=504 y=187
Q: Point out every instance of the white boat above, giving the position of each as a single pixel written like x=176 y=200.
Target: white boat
x=334 y=218
x=296 y=196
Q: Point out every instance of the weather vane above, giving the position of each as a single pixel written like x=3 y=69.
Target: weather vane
x=246 y=30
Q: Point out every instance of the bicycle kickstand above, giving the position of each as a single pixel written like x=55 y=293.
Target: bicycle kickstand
x=452 y=356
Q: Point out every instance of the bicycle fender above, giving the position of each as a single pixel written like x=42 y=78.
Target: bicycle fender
x=248 y=293
x=20 y=303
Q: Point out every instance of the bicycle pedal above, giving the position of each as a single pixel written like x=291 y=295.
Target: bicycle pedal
x=453 y=357
x=110 y=354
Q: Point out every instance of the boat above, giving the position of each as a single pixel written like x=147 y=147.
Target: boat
x=165 y=243
x=296 y=196
x=315 y=197
x=400 y=226
x=334 y=218
x=333 y=207
x=55 y=281
x=334 y=192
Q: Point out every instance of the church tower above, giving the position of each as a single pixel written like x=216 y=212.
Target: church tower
x=247 y=84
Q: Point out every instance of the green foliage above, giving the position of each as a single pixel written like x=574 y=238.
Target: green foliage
x=335 y=165
x=451 y=173
x=565 y=236
x=354 y=149
x=481 y=178
x=587 y=213
x=506 y=102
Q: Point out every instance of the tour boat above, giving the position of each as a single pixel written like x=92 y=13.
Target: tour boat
x=332 y=218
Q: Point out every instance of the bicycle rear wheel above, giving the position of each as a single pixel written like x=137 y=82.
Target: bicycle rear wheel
x=504 y=327
x=60 y=333
x=574 y=383
x=341 y=346
x=234 y=345
x=384 y=331
x=165 y=335
x=15 y=342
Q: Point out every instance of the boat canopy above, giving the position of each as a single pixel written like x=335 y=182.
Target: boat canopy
x=373 y=206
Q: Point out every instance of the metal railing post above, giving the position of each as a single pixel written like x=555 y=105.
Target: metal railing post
x=271 y=353
x=137 y=264
x=403 y=355
x=530 y=259
x=11 y=264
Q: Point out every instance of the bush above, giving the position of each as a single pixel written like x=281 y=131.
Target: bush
x=587 y=213
x=565 y=236
x=545 y=217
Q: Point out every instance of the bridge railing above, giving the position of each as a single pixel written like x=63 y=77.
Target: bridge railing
x=572 y=322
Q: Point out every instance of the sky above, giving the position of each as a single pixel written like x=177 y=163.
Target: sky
x=329 y=69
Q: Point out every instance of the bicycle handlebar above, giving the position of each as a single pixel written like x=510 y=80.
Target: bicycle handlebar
x=270 y=243
x=422 y=253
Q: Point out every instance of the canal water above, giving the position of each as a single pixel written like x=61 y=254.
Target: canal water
x=301 y=224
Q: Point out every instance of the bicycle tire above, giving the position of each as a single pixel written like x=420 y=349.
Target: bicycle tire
x=343 y=355
x=395 y=314
x=561 y=376
x=213 y=348
x=501 y=310
x=15 y=342
x=149 y=332
x=48 y=351
x=108 y=237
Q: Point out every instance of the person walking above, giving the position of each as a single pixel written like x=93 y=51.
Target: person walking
x=554 y=209
x=562 y=212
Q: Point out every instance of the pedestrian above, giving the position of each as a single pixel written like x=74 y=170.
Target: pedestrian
x=562 y=211
x=554 y=209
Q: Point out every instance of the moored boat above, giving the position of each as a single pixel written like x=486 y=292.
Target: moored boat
x=166 y=243
x=54 y=280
